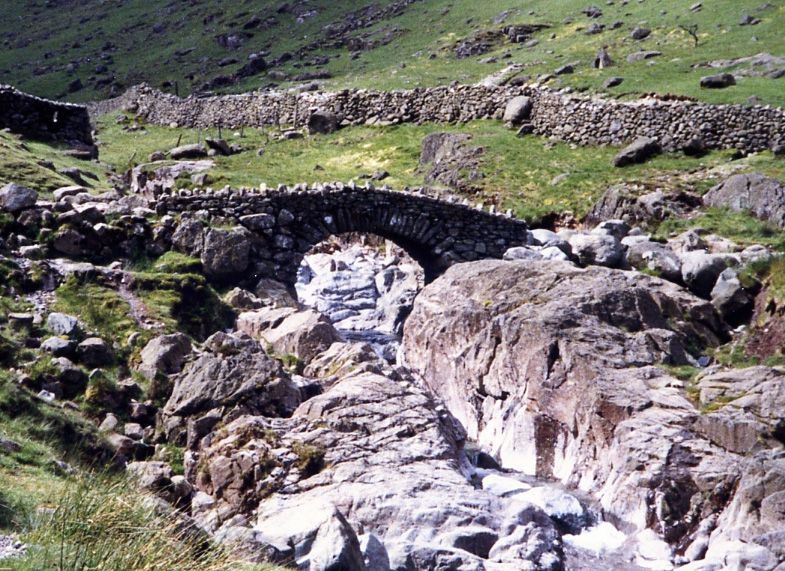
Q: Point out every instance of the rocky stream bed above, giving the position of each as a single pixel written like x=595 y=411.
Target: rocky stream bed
x=529 y=413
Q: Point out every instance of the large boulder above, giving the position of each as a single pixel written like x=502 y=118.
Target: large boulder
x=700 y=270
x=655 y=258
x=597 y=249
x=762 y=196
x=449 y=159
x=192 y=151
x=15 y=198
x=552 y=369
x=322 y=539
x=518 y=110
x=730 y=298
x=639 y=151
x=233 y=370
x=95 y=352
x=62 y=324
x=164 y=354
x=719 y=81
x=635 y=206
x=391 y=467
x=226 y=253
x=188 y=237
x=301 y=333
x=323 y=122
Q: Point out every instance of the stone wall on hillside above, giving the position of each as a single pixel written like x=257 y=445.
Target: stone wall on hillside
x=565 y=116
x=43 y=119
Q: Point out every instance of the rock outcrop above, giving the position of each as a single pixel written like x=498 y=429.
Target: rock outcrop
x=762 y=196
x=558 y=372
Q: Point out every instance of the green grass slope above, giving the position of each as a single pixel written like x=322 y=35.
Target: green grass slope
x=533 y=176
x=111 y=44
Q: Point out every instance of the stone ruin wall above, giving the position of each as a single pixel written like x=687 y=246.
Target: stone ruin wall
x=571 y=118
x=43 y=119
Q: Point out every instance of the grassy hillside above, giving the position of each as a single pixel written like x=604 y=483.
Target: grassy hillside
x=531 y=175
x=110 y=44
x=40 y=165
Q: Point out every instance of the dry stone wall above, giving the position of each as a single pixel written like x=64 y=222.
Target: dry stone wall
x=565 y=116
x=43 y=119
x=290 y=221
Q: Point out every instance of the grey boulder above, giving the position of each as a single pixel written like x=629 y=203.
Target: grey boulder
x=730 y=298
x=226 y=253
x=323 y=122
x=641 y=150
x=62 y=324
x=655 y=258
x=232 y=370
x=165 y=354
x=94 y=352
x=518 y=110
x=15 y=197
x=719 y=81
x=597 y=249
x=522 y=253
x=700 y=271
x=762 y=196
x=194 y=151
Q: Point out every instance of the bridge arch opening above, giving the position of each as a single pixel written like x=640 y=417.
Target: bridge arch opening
x=365 y=284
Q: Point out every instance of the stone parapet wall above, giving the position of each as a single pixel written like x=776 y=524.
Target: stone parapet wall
x=289 y=221
x=43 y=119
x=565 y=116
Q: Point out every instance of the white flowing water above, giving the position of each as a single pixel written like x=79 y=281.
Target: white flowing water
x=367 y=289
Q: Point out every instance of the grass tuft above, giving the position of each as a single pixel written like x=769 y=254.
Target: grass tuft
x=107 y=523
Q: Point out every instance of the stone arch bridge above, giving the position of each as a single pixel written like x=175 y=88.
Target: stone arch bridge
x=435 y=232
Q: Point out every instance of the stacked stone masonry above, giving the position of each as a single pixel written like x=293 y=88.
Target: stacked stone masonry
x=43 y=119
x=289 y=222
x=565 y=116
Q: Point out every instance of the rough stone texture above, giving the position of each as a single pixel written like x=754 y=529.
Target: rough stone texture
x=436 y=233
x=43 y=119
x=656 y=258
x=234 y=371
x=226 y=253
x=639 y=151
x=761 y=195
x=192 y=151
x=547 y=365
x=14 y=198
x=719 y=81
x=323 y=122
x=568 y=117
x=518 y=109
x=164 y=354
x=95 y=352
x=700 y=270
x=304 y=333
x=449 y=159
x=750 y=403
x=391 y=466
x=633 y=205
x=62 y=324
x=597 y=249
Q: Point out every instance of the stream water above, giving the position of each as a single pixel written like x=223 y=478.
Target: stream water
x=367 y=287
